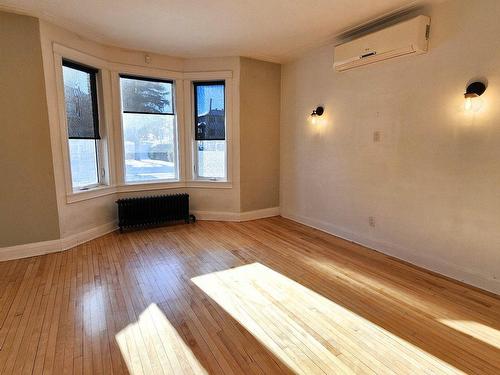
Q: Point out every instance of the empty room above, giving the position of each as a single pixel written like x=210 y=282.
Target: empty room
x=249 y=187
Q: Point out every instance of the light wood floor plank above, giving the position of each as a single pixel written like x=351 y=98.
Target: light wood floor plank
x=264 y=297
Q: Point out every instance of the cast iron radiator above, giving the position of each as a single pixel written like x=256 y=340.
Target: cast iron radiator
x=152 y=211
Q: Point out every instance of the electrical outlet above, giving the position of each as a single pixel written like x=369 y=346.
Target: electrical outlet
x=377 y=136
x=371 y=221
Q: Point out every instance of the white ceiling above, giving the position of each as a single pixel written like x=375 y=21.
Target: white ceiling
x=274 y=30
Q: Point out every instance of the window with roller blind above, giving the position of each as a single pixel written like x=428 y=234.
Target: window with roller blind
x=82 y=118
x=210 y=144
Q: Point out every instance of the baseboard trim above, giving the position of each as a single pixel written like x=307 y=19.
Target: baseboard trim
x=237 y=216
x=65 y=243
x=53 y=246
x=259 y=214
x=433 y=264
x=439 y=266
x=29 y=250
x=88 y=235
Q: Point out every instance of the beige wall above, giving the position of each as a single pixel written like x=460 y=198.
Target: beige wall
x=432 y=183
x=28 y=210
x=225 y=200
x=77 y=217
x=97 y=214
x=259 y=134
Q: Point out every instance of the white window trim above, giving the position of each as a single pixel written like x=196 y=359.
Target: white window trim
x=105 y=144
x=192 y=179
x=109 y=97
x=84 y=195
x=178 y=118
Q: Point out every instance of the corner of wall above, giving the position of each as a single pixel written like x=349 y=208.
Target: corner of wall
x=260 y=91
x=26 y=214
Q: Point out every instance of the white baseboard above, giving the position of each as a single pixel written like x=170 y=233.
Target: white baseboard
x=259 y=214
x=215 y=215
x=237 y=216
x=472 y=277
x=440 y=266
x=29 y=250
x=46 y=247
x=88 y=235
x=53 y=246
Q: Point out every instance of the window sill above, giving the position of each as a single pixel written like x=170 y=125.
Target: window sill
x=103 y=190
x=207 y=184
x=82 y=195
x=141 y=186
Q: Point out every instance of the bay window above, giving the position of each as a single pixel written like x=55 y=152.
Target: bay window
x=122 y=131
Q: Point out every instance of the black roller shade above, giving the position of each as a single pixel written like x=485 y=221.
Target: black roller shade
x=210 y=112
x=80 y=96
x=144 y=95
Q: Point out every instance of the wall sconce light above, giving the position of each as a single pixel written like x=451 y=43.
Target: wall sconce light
x=316 y=113
x=473 y=91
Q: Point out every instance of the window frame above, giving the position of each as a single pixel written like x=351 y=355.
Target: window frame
x=109 y=102
x=196 y=180
x=100 y=174
x=150 y=75
x=93 y=74
x=103 y=145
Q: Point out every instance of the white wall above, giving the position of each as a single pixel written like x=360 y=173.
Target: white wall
x=433 y=182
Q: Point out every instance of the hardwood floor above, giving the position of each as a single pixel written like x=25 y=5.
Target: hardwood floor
x=264 y=297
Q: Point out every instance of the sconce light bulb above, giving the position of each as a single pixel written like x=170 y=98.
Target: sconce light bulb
x=472 y=93
x=468 y=104
x=316 y=113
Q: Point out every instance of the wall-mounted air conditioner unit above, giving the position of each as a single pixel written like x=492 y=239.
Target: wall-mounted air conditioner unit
x=406 y=38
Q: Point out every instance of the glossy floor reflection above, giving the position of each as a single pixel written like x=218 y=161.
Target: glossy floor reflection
x=263 y=297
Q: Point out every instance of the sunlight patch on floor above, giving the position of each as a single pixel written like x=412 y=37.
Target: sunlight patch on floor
x=153 y=346
x=308 y=332
x=479 y=331
x=452 y=316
